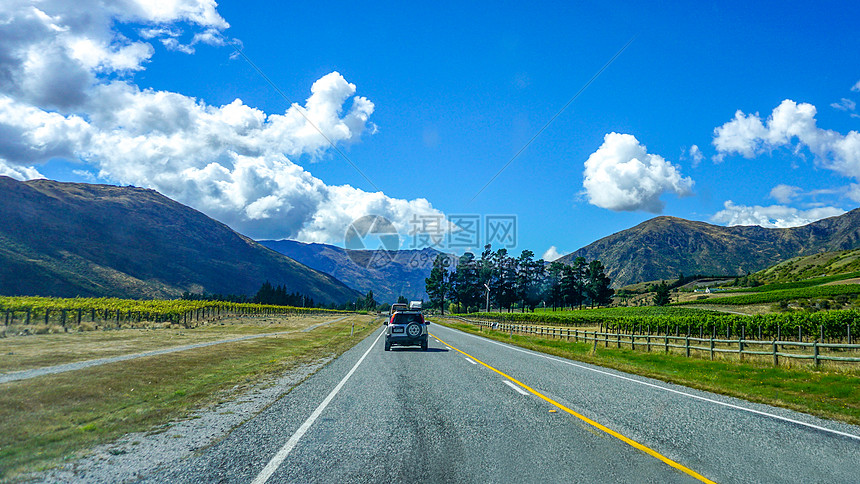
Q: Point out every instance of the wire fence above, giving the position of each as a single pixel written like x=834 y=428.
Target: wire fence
x=32 y=320
x=816 y=350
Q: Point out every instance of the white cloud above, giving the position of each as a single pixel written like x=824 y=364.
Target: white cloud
x=696 y=155
x=52 y=51
x=622 y=176
x=773 y=216
x=748 y=136
x=18 y=172
x=844 y=104
x=784 y=193
x=551 y=254
x=856 y=87
x=86 y=175
x=65 y=92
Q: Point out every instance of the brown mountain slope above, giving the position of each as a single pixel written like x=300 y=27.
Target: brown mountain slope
x=399 y=273
x=663 y=247
x=68 y=239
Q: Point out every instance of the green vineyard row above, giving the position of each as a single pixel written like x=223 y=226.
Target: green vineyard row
x=836 y=324
x=42 y=308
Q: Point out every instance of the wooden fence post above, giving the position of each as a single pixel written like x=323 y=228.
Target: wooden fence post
x=712 y=348
x=27 y=321
x=47 y=313
x=667 y=341
x=775 y=356
x=815 y=353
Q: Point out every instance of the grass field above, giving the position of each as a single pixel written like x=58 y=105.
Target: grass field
x=49 y=419
x=833 y=395
x=41 y=350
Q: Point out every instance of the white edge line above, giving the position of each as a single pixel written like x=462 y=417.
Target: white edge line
x=515 y=387
x=282 y=454
x=470 y=361
x=697 y=397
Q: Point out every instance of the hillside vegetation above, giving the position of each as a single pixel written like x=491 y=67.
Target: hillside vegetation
x=76 y=239
x=663 y=247
x=825 y=264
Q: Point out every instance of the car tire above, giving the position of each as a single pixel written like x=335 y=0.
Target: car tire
x=424 y=345
x=413 y=330
x=387 y=345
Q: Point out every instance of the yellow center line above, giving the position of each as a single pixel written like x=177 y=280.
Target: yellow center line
x=626 y=440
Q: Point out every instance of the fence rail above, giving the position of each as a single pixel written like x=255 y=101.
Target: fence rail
x=646 y=342
x=114 y=318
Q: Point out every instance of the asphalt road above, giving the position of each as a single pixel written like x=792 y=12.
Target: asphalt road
x=440 y=416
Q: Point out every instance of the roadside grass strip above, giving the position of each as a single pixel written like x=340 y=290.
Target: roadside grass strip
x=46 y=350
x=52 y=419
x=603 y=428
x=827 y=394
x=79 y=365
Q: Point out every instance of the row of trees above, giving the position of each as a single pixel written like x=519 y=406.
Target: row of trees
x=278 y=296
x=499 y=280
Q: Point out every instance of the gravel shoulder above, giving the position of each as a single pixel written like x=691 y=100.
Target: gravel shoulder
x=137 y=455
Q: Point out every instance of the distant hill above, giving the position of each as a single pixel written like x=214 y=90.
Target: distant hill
x=817 y=265
x=663 y=247
x=388 y=274
x=75 y=239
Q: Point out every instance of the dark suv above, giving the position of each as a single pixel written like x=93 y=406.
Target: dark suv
x=406 y=328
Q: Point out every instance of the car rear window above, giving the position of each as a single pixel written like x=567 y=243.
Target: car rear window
x=401 y=318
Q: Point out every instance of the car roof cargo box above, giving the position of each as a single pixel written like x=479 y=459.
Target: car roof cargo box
x=415 y=305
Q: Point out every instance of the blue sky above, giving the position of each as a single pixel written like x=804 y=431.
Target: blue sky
x=456 y=90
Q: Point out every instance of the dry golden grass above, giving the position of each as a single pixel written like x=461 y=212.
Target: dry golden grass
x=51 y=418
x=47 y=349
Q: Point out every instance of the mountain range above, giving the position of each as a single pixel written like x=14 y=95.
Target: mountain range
x=76 y=239
x=663 y=247
x=389 y=274
x=70 y=239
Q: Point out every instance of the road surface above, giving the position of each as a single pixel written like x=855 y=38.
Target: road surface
x=474 y=410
